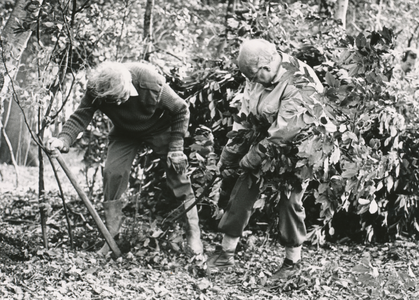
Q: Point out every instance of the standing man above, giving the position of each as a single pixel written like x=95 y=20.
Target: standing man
x=280 y=90
x=142 y=108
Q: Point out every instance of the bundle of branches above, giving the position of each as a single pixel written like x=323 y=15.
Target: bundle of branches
x=312 y=155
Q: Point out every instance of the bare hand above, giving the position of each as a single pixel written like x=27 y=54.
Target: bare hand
x=54 y=146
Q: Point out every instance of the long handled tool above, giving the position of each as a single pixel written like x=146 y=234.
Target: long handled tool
x=102 y=228
x=180 y=211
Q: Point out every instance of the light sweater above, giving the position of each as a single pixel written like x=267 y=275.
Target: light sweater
x=289 y=104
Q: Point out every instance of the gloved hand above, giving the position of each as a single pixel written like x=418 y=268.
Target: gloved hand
x=226 y=171
x=228 y=163
x=253 y=159
x=178 y=160
x=229 y=158
x=55 y=144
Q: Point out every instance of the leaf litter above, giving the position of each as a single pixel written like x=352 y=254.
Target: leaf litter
x=154 y=264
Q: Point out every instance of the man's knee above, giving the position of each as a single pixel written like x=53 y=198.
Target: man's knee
x=114 y=174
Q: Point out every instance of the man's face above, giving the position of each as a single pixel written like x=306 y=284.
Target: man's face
x=409 y=64
x=263 y=75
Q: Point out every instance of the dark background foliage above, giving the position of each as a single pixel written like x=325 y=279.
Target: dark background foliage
x=363 y=187
x=365 y=173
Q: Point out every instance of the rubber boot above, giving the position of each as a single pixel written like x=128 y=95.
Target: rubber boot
x=113 y=218
x=193 y=232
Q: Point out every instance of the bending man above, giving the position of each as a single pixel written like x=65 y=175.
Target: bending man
x=143 y=109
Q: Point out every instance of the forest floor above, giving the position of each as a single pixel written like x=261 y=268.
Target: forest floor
x=154 y=266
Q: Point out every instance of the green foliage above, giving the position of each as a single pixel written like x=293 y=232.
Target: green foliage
x=363 y=171
x=372 y=131
x=366 y=171
x=398 y=16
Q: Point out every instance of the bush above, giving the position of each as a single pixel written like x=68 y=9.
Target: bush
x=365 y=172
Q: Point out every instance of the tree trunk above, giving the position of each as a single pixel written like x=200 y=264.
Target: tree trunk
x=340 y=13
x=14 y=134
x=231 y=8
x=148 y=30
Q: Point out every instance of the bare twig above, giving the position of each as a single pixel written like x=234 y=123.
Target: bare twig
x=126 y=13
x=70 y=232
x=16 y=99
x=6 y=120
x=138 y=195
x=9 y=145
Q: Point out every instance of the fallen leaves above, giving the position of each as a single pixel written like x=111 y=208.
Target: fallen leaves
x=157 y=267
x=336 y=272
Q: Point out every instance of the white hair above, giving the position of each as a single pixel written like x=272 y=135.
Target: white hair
x=110 y=80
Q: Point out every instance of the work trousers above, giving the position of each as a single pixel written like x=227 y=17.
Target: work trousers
x=121 y=154
x=240 y=208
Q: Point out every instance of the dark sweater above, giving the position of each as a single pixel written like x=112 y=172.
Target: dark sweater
x=156 y=108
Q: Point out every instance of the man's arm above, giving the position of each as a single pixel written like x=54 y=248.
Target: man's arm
x=232 y=153
x=179 y=112
x=78 y=121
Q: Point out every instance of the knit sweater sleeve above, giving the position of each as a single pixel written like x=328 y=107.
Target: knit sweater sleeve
x=78 y=121
x=179 y=112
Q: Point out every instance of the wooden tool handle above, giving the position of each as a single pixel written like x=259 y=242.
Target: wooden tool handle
x=102 y=228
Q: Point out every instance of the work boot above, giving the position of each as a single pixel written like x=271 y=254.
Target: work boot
x=193 y=232
x=113 y=219
x=221 y=258
x=288 y=269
